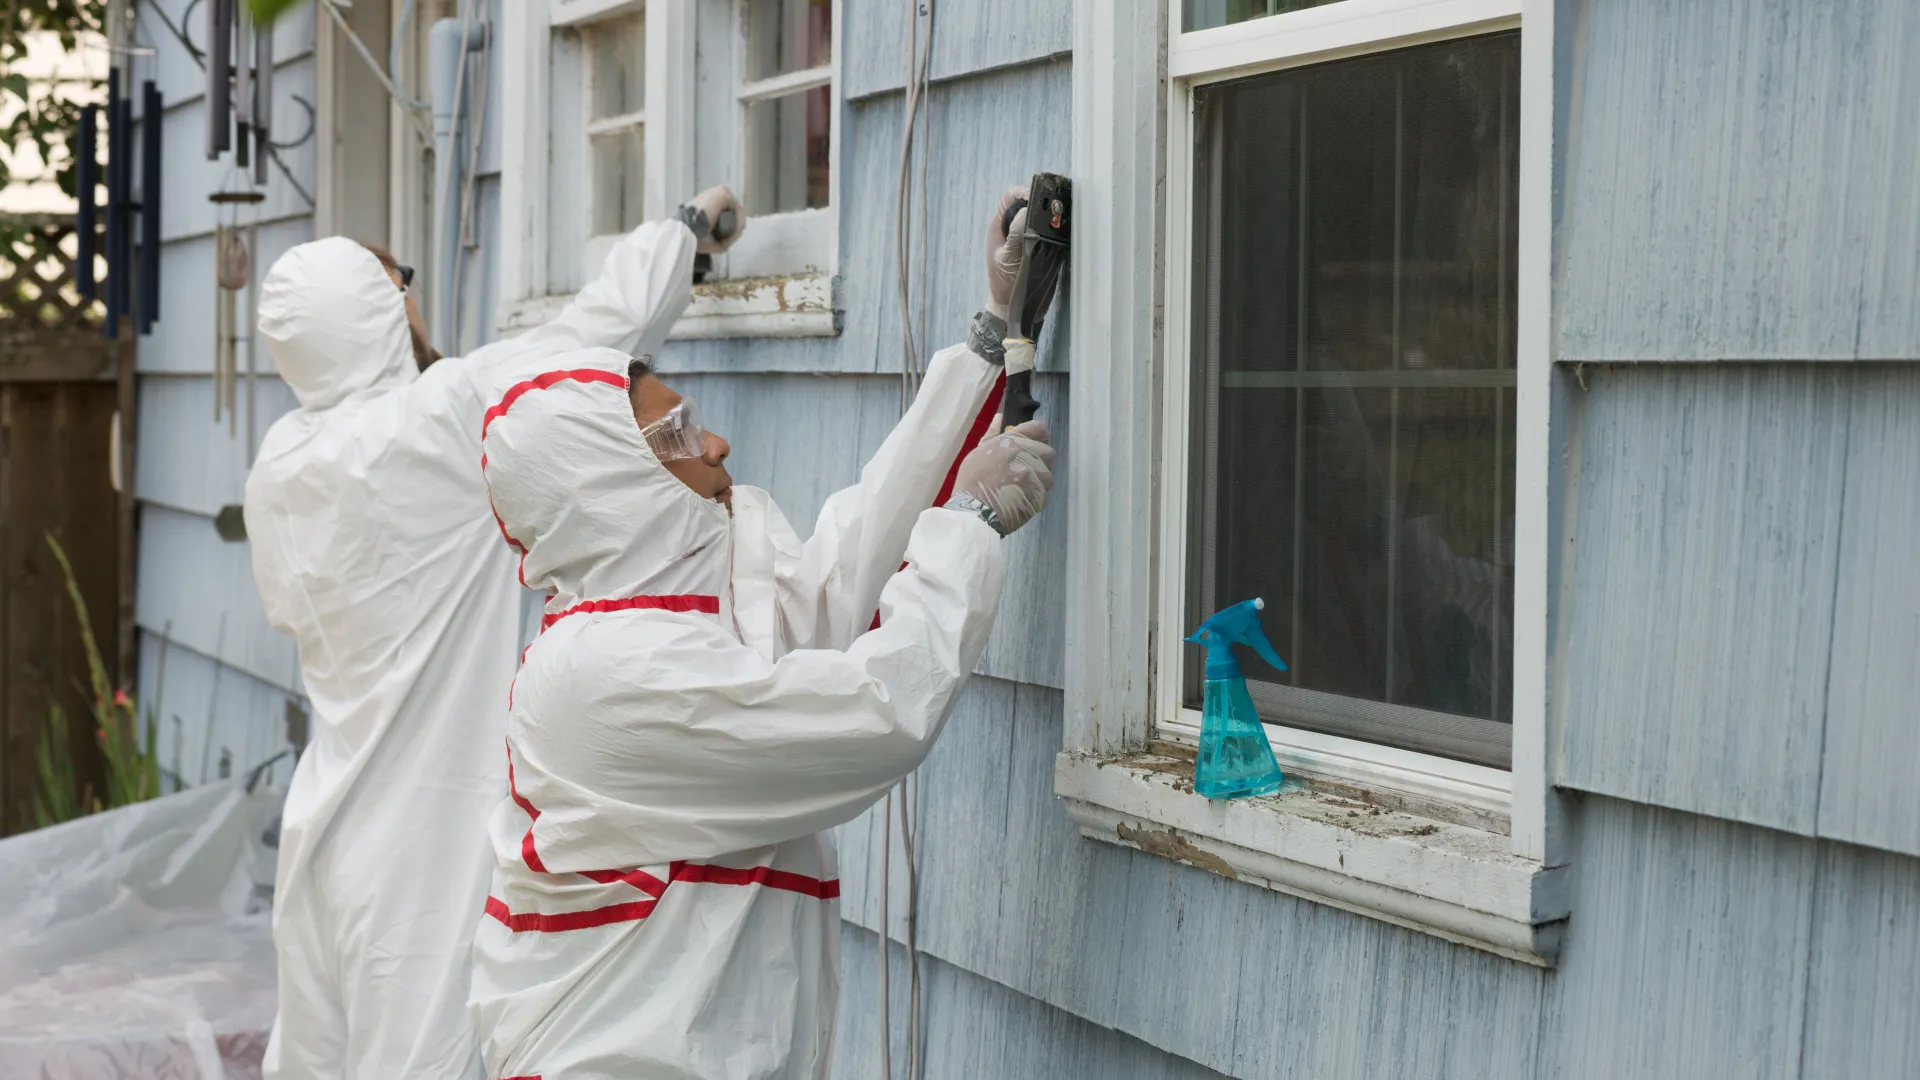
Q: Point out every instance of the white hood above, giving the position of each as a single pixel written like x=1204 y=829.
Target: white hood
x=581 y=497
x=335 y=323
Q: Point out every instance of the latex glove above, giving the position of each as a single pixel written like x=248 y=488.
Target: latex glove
x=1004 y=252
x=710 y=204
x=1007 y=478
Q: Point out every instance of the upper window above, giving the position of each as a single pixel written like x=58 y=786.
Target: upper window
x=1351 y=423
x=787 y=95
x=616 y=90
x=742 y=95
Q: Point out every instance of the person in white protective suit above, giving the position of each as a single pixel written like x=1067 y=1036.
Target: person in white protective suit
x=706 y=701
x=374 y=547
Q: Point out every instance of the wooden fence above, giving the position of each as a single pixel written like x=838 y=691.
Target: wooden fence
x=64 y=389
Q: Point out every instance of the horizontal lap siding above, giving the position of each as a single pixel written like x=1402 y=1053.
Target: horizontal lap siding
x=1698 y=605
x=227 y=675
x=975 y=1028
x=969 y=36
x=1739 y=181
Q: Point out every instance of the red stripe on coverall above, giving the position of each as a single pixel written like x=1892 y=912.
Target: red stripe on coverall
x=706 y=605
x=513 y=394
x=691 y=873
x=981 y=425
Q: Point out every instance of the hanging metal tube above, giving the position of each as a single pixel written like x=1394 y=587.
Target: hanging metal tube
x=219 y=102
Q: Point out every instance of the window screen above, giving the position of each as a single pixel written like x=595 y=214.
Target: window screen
x=1353 y=417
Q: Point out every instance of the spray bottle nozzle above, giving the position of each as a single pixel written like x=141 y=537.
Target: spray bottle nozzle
x=1236 y=625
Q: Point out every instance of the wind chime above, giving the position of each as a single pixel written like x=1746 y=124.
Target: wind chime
x=239 y=114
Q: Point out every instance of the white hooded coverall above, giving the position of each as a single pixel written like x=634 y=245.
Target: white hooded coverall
x=700 y=708
x=373 y=545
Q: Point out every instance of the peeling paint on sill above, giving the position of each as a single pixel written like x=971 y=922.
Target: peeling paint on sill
x=1171 y=845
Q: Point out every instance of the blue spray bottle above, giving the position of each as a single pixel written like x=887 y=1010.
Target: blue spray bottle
x=1235 y=760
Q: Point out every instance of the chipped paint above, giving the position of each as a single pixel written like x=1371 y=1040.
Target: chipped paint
x=1170 y=844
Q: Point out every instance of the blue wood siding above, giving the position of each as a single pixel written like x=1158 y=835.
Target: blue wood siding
x=969 y=36
x=1865 y=967
x=1867 y=789
x=1699 y=587
x=227 y=675
x=1739 y=181
x=976 y=1028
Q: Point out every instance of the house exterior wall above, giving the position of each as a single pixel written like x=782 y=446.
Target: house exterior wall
x=1732 y=670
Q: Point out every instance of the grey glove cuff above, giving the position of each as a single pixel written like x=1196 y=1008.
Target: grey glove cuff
x=693 y=218
x=988 y=338
x=967 y=504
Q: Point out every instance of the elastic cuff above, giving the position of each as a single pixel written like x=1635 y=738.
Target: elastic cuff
x=695 y=219
x=987 y=339
x=967 y=504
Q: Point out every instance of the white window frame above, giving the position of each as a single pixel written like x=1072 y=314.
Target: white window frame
x=1478 y=857
x=743 y=301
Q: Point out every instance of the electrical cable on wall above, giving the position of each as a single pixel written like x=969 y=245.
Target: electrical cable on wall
x=908 y=212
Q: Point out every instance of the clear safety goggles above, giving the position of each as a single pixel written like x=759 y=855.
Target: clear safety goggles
x=677 y=435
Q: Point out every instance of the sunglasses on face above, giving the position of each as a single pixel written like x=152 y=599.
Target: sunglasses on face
x=406 y=276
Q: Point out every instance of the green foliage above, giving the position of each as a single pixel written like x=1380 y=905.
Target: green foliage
x=44 y=120
x=265 y=11
x=132 y=762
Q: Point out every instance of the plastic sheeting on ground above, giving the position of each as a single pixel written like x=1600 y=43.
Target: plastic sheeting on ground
x=137 y=942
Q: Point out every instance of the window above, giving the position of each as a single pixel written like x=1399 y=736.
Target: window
x=1352 y=422
x=615 y=70
x=787 y=96
x=1342 y=406
x=634 y=107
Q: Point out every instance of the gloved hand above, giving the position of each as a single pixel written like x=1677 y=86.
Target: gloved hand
x=1006 y=479
x=1004 y=252
x=707 y=207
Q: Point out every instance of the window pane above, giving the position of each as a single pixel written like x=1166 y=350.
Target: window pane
x=787 y=151
x=1206 y=14
x=1354 y=404
x=788 y=35
x=619 y=164
x=619 y=51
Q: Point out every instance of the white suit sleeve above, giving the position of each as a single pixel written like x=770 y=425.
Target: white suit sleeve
x=678 y=742
x=829 y=589
x=644 y=285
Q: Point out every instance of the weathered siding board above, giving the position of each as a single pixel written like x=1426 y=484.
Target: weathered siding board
x=1239 y=979
x=968 y=36
x=975 y=1028
x=803 y=437
x=1687 y=951
x=1867 y=789
x=182 y=340
x=1865 y=977
x=1699 y=594
x=1740 y=182
x=203 y=707
x=204 y=589
x=977 y=153
x=183 y=459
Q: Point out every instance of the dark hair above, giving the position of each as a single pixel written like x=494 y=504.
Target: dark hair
x=639 y=368
x=387 y=262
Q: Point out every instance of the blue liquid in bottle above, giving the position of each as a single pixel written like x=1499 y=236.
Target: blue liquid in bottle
x=1235 y=759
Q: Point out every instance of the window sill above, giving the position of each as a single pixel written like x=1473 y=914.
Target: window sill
x=1450 y=880
x=774 y=307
